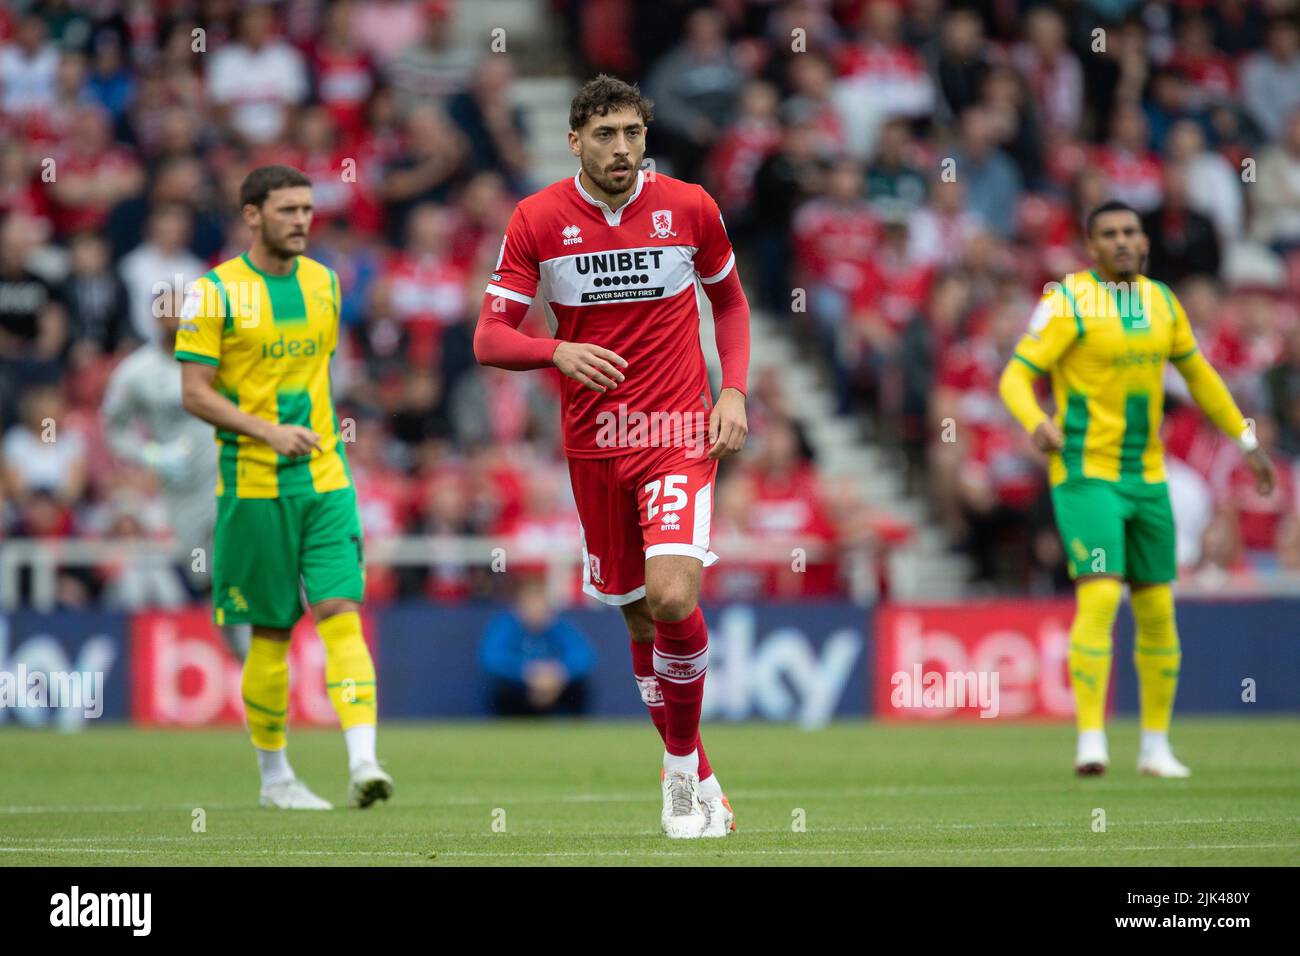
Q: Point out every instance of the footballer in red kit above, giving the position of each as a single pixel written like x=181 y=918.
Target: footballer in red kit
x=614 y=255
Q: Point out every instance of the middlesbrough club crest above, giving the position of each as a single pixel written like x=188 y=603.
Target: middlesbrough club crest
x=662 y=220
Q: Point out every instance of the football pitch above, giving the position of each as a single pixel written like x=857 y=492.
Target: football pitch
x=580 y=793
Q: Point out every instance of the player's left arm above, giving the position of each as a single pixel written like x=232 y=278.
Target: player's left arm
x=1211 y=394
x=715 y=262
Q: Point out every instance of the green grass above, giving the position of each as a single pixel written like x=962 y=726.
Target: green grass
x=588 y=793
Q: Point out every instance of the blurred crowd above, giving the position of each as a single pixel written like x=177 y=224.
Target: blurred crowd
x=909 y=177
x=900 y=180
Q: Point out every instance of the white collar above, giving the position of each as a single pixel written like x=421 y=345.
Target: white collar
x=612 y=216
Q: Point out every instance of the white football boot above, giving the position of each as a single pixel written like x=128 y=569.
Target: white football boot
x=1161 y=762
x=721 y=821
x=292 y=794
x=1090 y=758
x=684 y=816
x=369 y=783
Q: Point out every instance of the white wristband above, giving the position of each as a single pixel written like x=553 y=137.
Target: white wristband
x=1248 y=442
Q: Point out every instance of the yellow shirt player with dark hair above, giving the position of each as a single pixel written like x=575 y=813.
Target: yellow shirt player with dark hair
x=256 y=335
x=1104 y=336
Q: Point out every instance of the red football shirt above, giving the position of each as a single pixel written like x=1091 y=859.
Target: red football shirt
x=624 y=280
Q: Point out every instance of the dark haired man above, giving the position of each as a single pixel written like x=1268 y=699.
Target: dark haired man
x=614 y=253
x=1105 y=335
x=255 y=336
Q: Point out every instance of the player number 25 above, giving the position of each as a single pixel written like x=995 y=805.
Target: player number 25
x=678 y=497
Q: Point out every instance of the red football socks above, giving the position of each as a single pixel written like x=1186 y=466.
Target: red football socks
x=644 y=670
x=681 y=657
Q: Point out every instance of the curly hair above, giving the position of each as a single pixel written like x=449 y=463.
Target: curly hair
x=605 y=93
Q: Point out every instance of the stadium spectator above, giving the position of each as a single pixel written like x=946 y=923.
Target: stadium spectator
x=1132 y=171
x=734 y=161
x=1213 y=186
x=811 y=81
x=991 y=179
x=33 y=322
x=536 y=663
x=894 y=178
x=962 y=63
x=427 y=168
x=110 y=81
x=426 y=283
x=343 y=75
x=1014 y=126
x=1270 y=78
x=1182 y=241
x=96 y=301
x=1261 y=518
x=28 y=69
x=92 y=173
x=1053 y=72
x=943 y=229
x=787 y=178
x=144 y=580
x=178 y=180
x=1275 y=196
x=789 y=505
x=42 y=456
x=695 y=87
x=881 y=77
x=255 y=81
x=1282 y=393
x=431 y=69
x=160 y=265
x=493 y=125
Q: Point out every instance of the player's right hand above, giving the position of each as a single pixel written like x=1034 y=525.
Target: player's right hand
x=593 y=366
x=292 y=441
x=1047 y=437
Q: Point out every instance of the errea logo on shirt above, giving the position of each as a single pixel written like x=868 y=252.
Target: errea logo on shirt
x=571 y=235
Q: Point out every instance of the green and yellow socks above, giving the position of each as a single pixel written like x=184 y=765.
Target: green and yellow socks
x=349 y=680
x=265 y=688
x=1157 y=656
x=1090 y=649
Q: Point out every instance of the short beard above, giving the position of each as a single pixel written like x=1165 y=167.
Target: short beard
x=276 y=249
x=610 y=187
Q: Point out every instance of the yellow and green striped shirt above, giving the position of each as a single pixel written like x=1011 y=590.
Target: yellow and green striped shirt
x=270 y=339
x=1105 y=346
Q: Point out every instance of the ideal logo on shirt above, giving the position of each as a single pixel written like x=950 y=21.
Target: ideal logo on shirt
x=304 y=347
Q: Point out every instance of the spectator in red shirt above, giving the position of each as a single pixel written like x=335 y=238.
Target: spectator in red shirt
x=426 y=284
x=343 y=74
x=93 y=174
x=789 y=507
x=1260 y=517
x=741 y=150
x=1132 y=170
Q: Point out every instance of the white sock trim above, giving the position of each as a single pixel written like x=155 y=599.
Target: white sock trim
x=688 y=764
x=710 y=788
x=360 y=741
x=273 y=765
x=1154 y=741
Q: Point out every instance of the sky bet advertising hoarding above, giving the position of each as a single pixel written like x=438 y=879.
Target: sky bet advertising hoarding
x=802 y=663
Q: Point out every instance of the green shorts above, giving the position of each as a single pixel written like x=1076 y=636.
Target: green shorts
x=268 y=552
x=1109 y=527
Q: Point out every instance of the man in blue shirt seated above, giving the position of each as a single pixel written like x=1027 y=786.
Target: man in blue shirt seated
x=536 y=663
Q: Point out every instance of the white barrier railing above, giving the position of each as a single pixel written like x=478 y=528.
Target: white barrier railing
x=43 y=557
